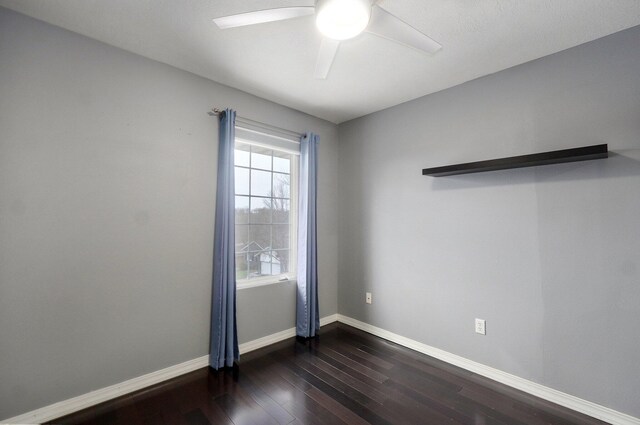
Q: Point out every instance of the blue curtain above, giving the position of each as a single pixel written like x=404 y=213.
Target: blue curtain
x=307 y=312
x=224 y=333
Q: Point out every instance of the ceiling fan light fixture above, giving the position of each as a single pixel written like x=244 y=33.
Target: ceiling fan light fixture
x=342 y=19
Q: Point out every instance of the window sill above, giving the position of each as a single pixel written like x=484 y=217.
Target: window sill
x=254 y=283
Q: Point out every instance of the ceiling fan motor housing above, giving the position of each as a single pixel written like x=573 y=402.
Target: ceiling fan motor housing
x=342 y=19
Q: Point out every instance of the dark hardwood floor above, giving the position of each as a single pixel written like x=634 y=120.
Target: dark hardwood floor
x=343 y=377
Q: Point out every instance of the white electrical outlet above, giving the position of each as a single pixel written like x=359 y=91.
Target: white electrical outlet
x=367 y=298
x=481 y=327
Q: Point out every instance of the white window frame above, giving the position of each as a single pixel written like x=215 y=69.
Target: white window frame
x=251 y=133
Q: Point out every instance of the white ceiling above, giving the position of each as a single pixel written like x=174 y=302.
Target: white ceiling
x=276 y=60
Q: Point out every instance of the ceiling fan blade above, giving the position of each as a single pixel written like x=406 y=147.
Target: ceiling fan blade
x=328 y=50
x=262 y=16
x=385 y=25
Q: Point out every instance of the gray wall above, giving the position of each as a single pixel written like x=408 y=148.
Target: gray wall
x=107 y=195
x=549 y=256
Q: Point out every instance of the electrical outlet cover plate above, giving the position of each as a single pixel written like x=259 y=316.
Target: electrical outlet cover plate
x=367 y=298
x=480 y=327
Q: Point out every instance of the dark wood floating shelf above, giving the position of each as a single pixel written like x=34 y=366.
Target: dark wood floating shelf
x=554 y=157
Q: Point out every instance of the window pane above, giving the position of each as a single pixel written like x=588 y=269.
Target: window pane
x=241 y=266
x=282 y=162
x=280 y=236
x=260 y=183
x=280 y=261
x=260 y=210
x=242 y=209
x=265 y=264
x=241 y=155
x=242 y=238
x=281 y=210
x=242 y=181
x=259 y=237
x=261 y=158
x=254 y=264
x=281 y=185
x=264 y=211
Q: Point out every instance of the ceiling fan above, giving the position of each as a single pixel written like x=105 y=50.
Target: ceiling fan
x=339 y=20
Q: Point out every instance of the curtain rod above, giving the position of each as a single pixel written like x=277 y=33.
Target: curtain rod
x=250 y=122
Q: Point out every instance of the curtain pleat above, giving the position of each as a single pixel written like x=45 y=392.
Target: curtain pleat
x=224 y=333
x=307 y=310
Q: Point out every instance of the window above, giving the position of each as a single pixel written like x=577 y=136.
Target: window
x=266 y=214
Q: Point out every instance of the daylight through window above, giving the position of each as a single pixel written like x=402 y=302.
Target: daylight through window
x=265 y=213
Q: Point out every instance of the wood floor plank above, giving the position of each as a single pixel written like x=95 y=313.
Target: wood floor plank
x=338 y=409
x=214 y=413
x=326 y=352
x=555 y=414
x=288 y=390
x=371 y=358
x=309 y=417
x=196 y=417
x=347 y=379
x=243 y=413
x=352 y=399
x=394 y=400
x=280 y=415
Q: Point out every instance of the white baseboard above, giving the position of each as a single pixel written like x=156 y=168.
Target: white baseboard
x=574 y=403
x=75 y=404
x=279 y=336
x=66 y=407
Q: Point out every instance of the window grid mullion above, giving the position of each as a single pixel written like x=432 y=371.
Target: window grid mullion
x=271 y=222
x=249 y=221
